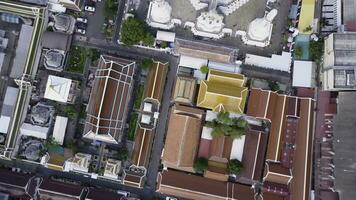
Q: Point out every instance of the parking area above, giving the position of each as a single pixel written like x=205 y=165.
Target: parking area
x=97 y=22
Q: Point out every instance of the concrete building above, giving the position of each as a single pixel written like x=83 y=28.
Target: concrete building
x=79 y=163
x=339 y=62
x=304 y=74
x=112 y=169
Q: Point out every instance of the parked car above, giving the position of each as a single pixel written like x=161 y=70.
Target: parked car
x=81 y=31
x=89 y=8
x=82 y=20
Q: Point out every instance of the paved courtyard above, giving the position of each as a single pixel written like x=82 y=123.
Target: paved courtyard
x=238 y=20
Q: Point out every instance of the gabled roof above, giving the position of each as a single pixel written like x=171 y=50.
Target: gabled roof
x=197 y=187
x=10 y=178
x=223 y=91
x=182 y=137
x=99 y=194
x=108 y=104
x=57 y=88
x=60 y=188
x=184 y=91
x=287 y=114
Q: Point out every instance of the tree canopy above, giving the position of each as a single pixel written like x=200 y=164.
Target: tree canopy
x=316 y=50
x=234 y=166
x=134 y=31
x=200 y=165
x=226 y=125
x=204 y=69
x=298 y=52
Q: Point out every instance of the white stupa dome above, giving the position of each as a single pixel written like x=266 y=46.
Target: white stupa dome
x=260 y=28
x=161 y=12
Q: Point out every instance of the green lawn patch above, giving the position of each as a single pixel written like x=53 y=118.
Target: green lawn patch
x=132 y=126
x=139 y=96
x=77 y=56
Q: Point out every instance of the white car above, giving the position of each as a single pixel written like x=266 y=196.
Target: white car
x=89 y=8
x=81 y=31
x=83 y=20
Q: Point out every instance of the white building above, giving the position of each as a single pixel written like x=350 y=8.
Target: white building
x=304 y=74
x=160 y=15
x=79 y=163
x=28 y=129
x=112 y=169
x=58 y=89
x=276 y=62
x=59 y=129
x=8 y=108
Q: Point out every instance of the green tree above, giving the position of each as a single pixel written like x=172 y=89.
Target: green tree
x=298 y=52
x=70 y=111
x=133 y=31
x=225 y=125
x=273 y=85
x=204 y=69
x=72 y=146
x=316 y=49
x=240 y=122
x=307 y=29
x=110 y=9
x=123 y=154
x=200 y=165
x=146 y=63
x=148 y=40
x=234 y=166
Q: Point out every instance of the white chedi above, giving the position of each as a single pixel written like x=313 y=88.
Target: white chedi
x=161 y=11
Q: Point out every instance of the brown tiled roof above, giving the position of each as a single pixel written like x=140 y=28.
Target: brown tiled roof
x=8 y=177
x=109 y=98
x=272 y=196
x=254 y=154
x=329 y=195
x=155 y=80
x=278 y=107
x=61 y=188
x=302 y=164
x=142 y=148
x=221 y=147
x=183 y=137
x=99 y=194
x=196 y=187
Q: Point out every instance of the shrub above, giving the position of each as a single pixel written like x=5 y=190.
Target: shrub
x=234 y=166
x=298 y=52
x=200 y=165
x=204 y=69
